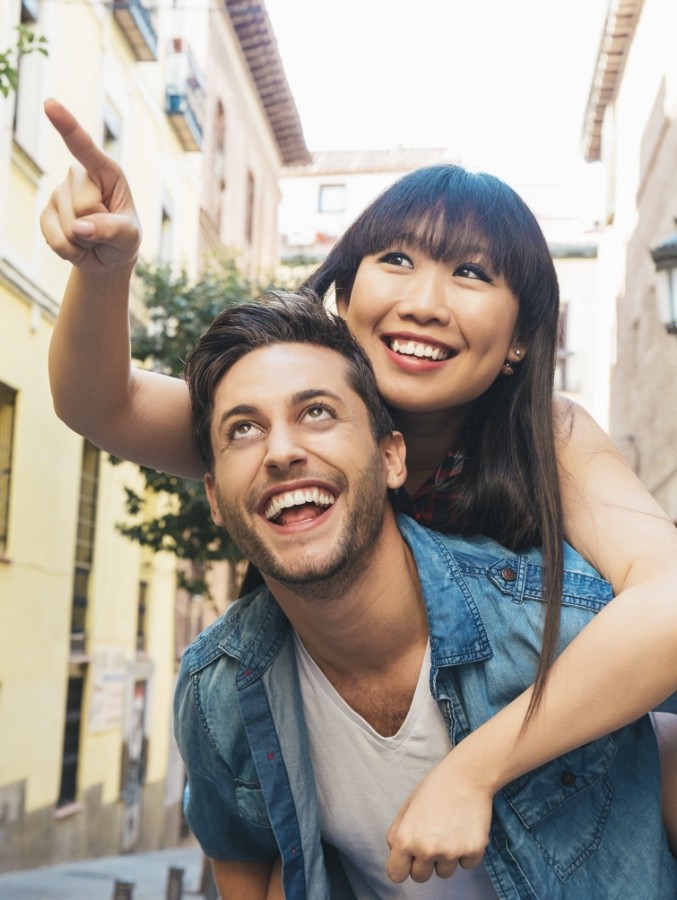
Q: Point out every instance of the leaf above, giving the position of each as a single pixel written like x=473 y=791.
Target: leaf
x=27 y=42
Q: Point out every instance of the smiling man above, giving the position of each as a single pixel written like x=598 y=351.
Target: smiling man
x=312 y=710
x=288 y=483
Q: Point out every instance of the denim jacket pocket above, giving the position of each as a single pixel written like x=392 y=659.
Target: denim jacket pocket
x=251 y=804
x=564 y=805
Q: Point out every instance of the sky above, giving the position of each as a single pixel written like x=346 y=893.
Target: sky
x=502 y=83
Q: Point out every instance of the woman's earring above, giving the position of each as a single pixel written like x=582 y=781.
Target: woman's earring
x=507 y=368
x=518 y=353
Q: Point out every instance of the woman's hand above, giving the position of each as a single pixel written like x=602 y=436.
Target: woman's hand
x=443 y=823
x=90 y=219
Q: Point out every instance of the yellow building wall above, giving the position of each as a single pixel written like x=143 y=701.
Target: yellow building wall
x=90 y=68
x=35 y=579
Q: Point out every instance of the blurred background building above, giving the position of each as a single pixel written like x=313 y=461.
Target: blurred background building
x=631 y=126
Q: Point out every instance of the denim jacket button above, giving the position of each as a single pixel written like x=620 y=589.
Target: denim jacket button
x=509 y=574
x=567 y=779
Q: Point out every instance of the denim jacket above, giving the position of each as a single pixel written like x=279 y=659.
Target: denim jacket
x=583 y=826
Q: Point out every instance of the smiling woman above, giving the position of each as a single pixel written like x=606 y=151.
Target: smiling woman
x=456 y=261
x=436 y=333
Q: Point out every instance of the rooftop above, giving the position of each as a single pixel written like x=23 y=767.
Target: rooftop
x=344 y=162
x=617 y=35
x=257 y=40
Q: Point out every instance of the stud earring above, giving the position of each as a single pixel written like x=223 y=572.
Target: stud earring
x=507 y=368
x=518 y=353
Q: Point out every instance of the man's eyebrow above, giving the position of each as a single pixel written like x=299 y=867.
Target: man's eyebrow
x=242 y=409
x=312 y=394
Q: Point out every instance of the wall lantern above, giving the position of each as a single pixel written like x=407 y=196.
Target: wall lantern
x=665 y=259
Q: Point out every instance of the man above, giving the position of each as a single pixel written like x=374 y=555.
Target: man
x=311 y=710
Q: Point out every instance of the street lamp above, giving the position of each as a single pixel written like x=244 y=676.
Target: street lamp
x=665 y=259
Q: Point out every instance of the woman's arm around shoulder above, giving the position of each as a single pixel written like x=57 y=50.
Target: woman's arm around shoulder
x=620 y=666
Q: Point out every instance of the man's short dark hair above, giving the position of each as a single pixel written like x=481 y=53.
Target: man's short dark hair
x=278 y=318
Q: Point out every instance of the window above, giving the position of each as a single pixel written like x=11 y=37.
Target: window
x=219 y=167
x=220 y=144
x=29 y=11
x=7 y=406
x=141 y=616
x=562 y=379
x=332 y=198
x=166 y=234
x=84 y=542
x=111 y=133
x=249 y=212
x=31 y=86
x=71 y=737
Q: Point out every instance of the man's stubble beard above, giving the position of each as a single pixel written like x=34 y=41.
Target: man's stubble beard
x=333 y=575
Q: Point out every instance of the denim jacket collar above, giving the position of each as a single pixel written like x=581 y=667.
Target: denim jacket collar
x=457 y=633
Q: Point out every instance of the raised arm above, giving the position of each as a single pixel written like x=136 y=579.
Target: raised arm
x=621 y=665
x=91 y=222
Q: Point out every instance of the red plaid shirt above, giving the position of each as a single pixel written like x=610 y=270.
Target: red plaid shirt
x=433 y=503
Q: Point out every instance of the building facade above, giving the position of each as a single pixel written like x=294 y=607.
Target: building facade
x=88 y=636
x=631 y=126
x=251 y=130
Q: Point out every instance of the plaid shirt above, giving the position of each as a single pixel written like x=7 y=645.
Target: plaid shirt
x=433 y=503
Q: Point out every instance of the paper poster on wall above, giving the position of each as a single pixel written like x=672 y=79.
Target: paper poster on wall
x=107 y=697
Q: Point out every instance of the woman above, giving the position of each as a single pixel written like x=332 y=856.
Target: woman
x=456 y=305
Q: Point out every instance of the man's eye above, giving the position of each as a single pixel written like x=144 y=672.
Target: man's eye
x=241 y=430
x=470 y=270
x=318 y=412
x=396 y=258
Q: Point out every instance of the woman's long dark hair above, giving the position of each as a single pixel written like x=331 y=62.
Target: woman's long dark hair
x=509 y=487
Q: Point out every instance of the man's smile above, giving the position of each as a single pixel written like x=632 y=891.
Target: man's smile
x=287 y=507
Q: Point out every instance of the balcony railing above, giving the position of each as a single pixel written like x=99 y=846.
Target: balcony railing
x=185 y=95
x=136 y=21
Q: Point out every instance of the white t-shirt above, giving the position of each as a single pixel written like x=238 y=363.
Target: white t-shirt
x=363 y=778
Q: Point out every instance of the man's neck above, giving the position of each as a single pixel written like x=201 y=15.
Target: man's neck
x=429 y=439
x=371 y=621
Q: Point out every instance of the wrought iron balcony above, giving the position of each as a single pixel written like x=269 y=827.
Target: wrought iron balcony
x=185 y=95
x=136 y=21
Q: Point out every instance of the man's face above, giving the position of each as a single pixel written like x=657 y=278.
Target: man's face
x=299 y=481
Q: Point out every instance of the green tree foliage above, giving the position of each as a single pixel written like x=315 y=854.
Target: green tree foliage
x=179 y=311
x=27 y=42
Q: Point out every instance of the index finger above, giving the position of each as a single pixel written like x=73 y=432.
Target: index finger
x=76 y=138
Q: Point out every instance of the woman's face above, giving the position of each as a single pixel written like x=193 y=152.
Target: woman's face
x=437 y=333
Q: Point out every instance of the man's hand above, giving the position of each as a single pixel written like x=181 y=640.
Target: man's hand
x=90 y=219
x=444 y=823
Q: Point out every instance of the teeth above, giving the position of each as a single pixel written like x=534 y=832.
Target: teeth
x=297 y=498
x=414 y=348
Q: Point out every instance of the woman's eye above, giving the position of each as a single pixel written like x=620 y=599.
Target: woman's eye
x=319 y=413
x=396 y=258
x=469 y=270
